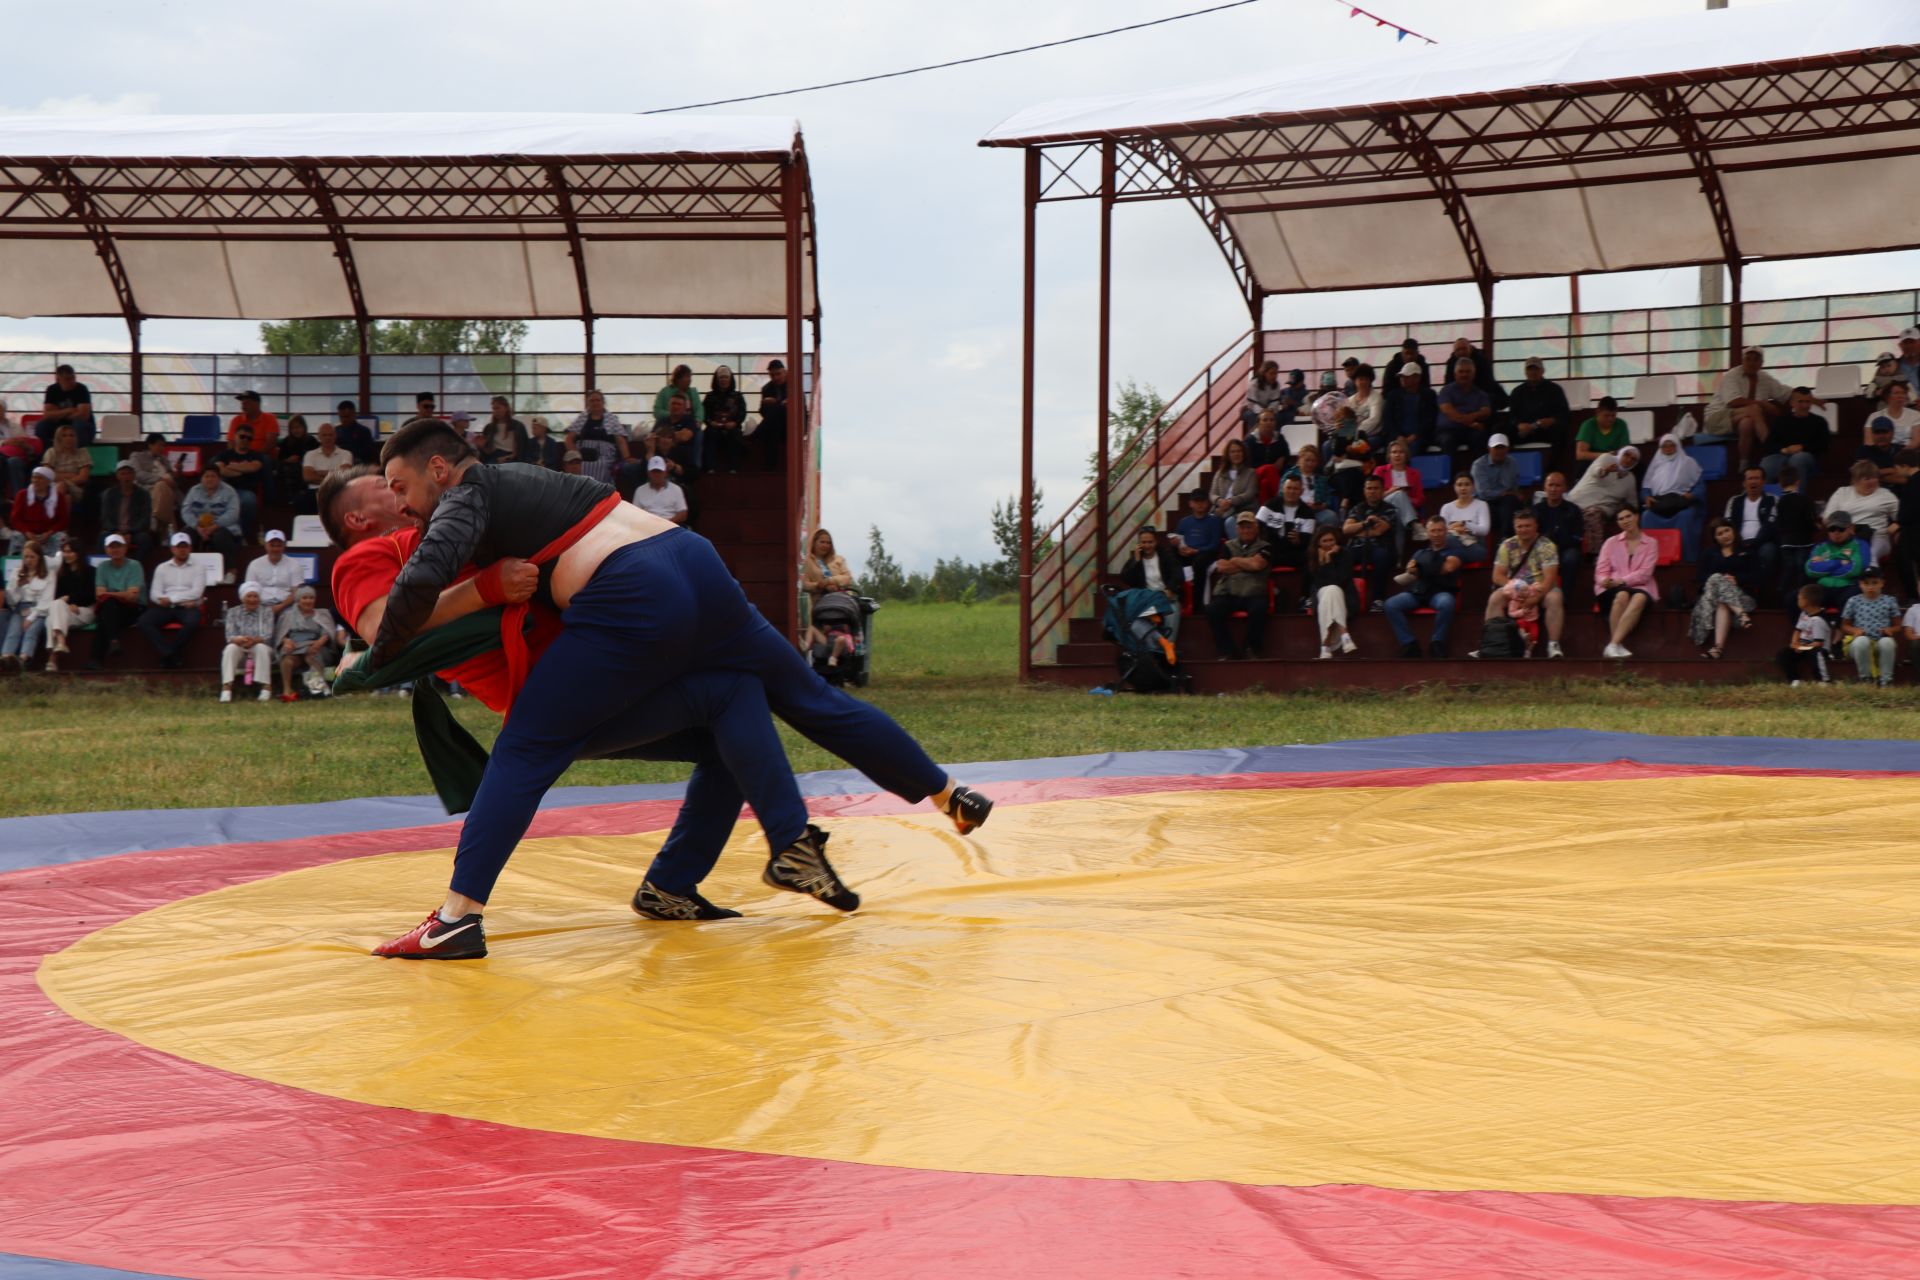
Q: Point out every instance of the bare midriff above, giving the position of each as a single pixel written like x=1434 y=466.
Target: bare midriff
x=625 y=525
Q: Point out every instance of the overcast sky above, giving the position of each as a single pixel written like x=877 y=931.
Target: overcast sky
x=919 y=228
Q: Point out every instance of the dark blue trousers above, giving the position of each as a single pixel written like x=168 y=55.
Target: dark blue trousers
x=655 y=612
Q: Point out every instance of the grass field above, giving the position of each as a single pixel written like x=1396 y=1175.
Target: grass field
x=946 y=672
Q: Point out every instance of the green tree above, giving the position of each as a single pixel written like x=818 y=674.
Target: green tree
x=310 y=338
x=883 y=580
x=1006 y=532
x=1130 y=431
x=393 y=337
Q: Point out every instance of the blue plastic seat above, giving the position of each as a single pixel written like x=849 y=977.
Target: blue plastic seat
x=1436 y=470
x=1529 y=466
x=200 y=428
x=1712 y=459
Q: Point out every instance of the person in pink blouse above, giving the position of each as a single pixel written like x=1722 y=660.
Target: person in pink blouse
x=1404 y=489
x=1623 y=580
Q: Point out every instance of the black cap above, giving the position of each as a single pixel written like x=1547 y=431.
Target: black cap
x=426 y=395
x=248 y=395
x=1872 y=571
x=1350 y=362
x=1409 y=342
x=1200 y=494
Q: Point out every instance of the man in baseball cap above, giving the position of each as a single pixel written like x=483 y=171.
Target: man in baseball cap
x=265 y=426
x=1909 y=364
x=277 y=576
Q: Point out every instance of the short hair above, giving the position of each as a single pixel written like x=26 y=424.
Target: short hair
x=425 y=438
x=680 y=369
x=775 y=364
x=1373 y=479
x=157 y=437
x=1521 y=513
x=1148 y=527
x=327 y=501
x=63 y=368
x=348 y=405
x=421 y=397
x=1801 y=391
x=1813 y=592
x=1607 y=402
x=1442 y=520
x=1364 y=371
x=1463 y=361
x=681 y=396
x=1864 y=468
x=1747 y=471
x=594 y=391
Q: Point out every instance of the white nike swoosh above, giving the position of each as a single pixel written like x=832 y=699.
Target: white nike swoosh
x=428 y=942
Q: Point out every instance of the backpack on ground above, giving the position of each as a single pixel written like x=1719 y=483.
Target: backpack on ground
x=1500 y=638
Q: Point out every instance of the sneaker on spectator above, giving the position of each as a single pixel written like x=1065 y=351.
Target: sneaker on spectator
x=1554 y=650
x=1793 y=684
x=226 y=695
x=1325 y=653
x=1347 y=645
x=266 y=695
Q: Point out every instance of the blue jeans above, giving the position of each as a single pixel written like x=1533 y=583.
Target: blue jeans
x=653 y=613
x=1803 y=462
x=23 y=638
x=1441 y=602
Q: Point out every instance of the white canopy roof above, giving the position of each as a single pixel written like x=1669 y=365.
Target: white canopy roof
x=1761 y=131
x=481 y=215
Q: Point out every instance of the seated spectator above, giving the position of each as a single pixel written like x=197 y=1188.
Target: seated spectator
x=277 y=576
x=1903 y=571
x=1879 y=447
x=211 y=514
x=1668 y=500
x=1603 y=433
x=679 y=385
x=1330 y=571
x=1364 y=414
x=1837 y=563
x=1263 y=394
x=724 y=410
x=126 y=510
x=543 y=449
x=1908 y=366
x=1431 y=581
x=1797 y=440
x=1624 y=580
x=117 y=587
x=1465 y=410
x=29 y=598
x=1197 y=538
x=1753 y=514
x=1870 y=628
x=1896 y=409
x=1797 y=529
x=1463 y=349
x=1289 y=524
x=19 y=448
x=1730 y=576
x=154 y=474
x=1266 y=447
x=178 y=587
x=1808 y=641
x=1746 y=401
x=572 y=461
x=319 y=463
x=73 y=601
x=306 y=635
x=1293 y=397
x=250 y=627
x=1348 y=369
x=1541 y=414
x=772 y=435
x=1408 y=357
x=1886 y=369
x=1316 y=491
x=1562 y=524
x=295 y=443
x=504 y=438
x=1606 y=488
x=1156 y=565
x=72 y=465
x=677 y=437
x=352 y=434
x=1527 y=577
x=660 y=496
x=262 y=428
x=825 y=569
x=67 y=403
x=245 y=469
x=1470 y=519
x=1909 y=629
x=1496 y=482
x=1400 y=485
x=425 y=405
x=600 y=438
x=1235 y=486
x=1240 y=582
x=40 y=513
x=1874 y=511
x=1409 y=408
x=1373 y=532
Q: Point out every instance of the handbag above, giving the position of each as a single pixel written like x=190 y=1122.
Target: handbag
x=1671 y=504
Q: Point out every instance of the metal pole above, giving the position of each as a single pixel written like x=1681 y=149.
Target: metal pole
x=796 y=389
x=1103 y=406
x=1486 y=320
x=1735 y=326
x=1032 y=204
x=1712 y=289
x=137 y=376
x=586 y=322
x=364 y=396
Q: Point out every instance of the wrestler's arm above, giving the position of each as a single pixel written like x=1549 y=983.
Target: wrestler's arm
x=452 y=537
x=519 y=579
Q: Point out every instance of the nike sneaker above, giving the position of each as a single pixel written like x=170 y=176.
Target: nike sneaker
x=968 y=808
x=435 y=939
x=655 y=903
x=802 y=867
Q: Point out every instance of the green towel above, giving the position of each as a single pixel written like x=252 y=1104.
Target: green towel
x=453 y=758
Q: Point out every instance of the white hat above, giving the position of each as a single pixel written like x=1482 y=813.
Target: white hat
x=46 y=473
x=249 y=589
x=1910 y=334
x=123 y=465
x=179 y=540
x=274 y=535
x=1499 y=441
x=656 y=464
x=113 y=538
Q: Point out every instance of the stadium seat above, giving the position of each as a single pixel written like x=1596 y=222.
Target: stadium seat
x=1773 y=489
x=28 y=420
x=1712 y=459
x=1838 y=382
x=211 y=563
x=1668 y=540
x=200 y=428
x=119 y=428
x=1639 y=425
x=1529 y=468
x=105 y=458
x=1436 y=470
x=1654 y=391
x=1297 y=434
x=307 y=532
x=1269 y=482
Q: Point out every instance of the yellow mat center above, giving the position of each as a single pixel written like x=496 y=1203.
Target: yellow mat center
x=1696 y=987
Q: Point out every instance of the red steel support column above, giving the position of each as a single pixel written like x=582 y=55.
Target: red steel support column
x=1486 y=320
x=364 y=397
x=137 y=376
x=1736 y=324
x=790 y=197
x=1032 y=205
x=1101 y=532
x=587 y=370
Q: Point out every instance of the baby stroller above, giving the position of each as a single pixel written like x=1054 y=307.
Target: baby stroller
x=837 y=614
x=1136 y=621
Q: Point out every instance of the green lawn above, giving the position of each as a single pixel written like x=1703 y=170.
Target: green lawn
x=946 y=672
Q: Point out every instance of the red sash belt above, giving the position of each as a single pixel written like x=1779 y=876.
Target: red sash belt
x=513 y=619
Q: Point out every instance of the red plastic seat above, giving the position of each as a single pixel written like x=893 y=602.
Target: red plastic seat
x=1668 y=540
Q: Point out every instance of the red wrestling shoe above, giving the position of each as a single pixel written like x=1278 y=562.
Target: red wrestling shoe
x=435 y=939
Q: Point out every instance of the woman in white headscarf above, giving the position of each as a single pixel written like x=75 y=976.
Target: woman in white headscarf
x=1607 y=487
x=1668 y=497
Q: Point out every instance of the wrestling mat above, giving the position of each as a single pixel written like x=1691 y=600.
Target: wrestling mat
x=1532 y=1005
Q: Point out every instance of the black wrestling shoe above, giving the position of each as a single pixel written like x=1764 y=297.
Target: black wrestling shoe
x=435 y=939
x=655 y=903
x=968 y=808
x=802 y=867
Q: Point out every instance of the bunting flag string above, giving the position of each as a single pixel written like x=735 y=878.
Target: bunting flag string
x=1400 y=32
